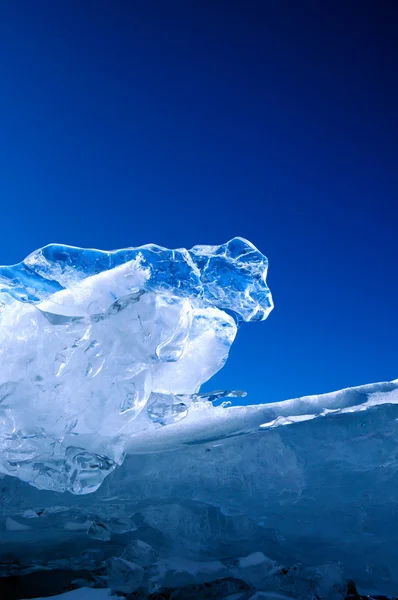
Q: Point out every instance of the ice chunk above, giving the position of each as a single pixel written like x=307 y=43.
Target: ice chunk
x=99 y=531
x=88 y=339
x=166 y=409
x=125 y=576
x=141 y=553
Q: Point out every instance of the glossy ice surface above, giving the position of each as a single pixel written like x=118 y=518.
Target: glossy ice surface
x=95 y=346
x=102 y=356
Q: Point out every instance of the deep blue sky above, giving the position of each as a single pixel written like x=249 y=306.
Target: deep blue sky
x=184 y=122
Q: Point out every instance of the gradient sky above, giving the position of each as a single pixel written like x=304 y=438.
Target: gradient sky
x=185 y=122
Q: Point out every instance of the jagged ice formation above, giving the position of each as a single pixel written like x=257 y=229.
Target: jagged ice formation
x=95 y=346
x=102 y=356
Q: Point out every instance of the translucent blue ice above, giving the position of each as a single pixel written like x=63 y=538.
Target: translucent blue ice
x=96 y=346
x=102 y=356
x=231 y=276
